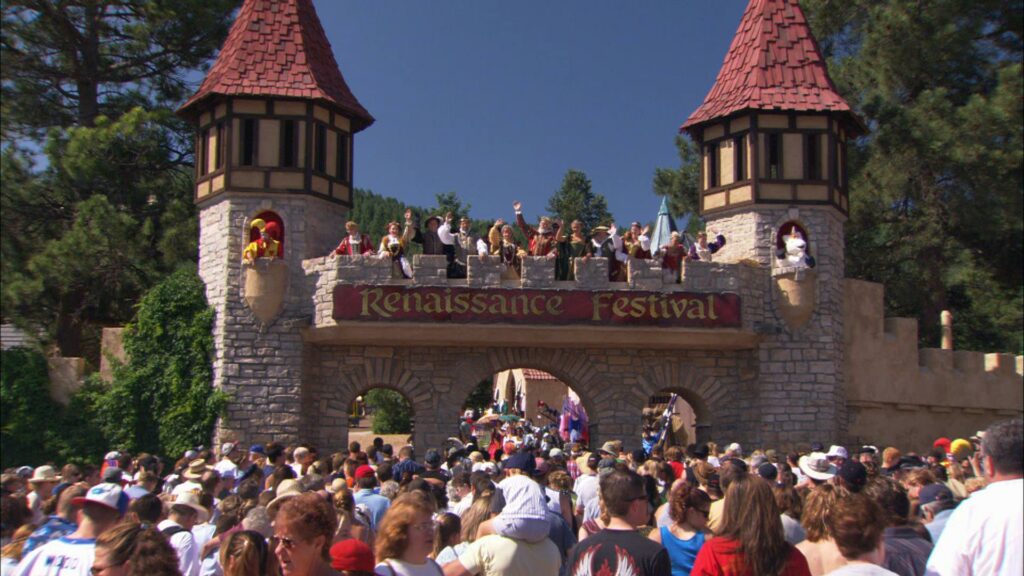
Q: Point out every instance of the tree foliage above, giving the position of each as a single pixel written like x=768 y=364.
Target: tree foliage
x=392 y=413
x=936 y=187
x=576 y=200
x=161 y=400
x=680 y=185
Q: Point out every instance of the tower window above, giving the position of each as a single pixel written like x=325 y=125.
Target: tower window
x=289 y=143
x=714 y=166
x=739 y=146
x=774 y=155
x=204 y=151
x=218 y=153
x=320 y=149
x=812 y=157
x=248 y=142
x=342 y=162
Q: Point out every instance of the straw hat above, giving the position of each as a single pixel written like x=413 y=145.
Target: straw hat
x=287 y=489
x=195 y=470
x=44 y=474
x=191 y=499
x=817 y=466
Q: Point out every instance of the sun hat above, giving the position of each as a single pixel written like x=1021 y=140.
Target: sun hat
x=287 y=489
x=336 y=485
x=104 y=494
x=835 y=451
x=609 y=448
x=190 y=498
x=352 y=555
x=44 y=474
x=597 y=229
x=817 y=466
x=195 y=470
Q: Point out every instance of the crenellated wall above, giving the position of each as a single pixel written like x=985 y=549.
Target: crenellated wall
x=898 y=394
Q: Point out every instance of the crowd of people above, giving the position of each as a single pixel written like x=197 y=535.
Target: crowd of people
x=525 y=510
x=549 y=239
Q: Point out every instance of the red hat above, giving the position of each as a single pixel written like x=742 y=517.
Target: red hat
x=364 y=471
x=943 y=443
x=273 y=230
x=352 y=555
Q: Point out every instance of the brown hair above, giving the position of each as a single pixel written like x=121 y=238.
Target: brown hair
x=892 y=498
x=919 y=477
x=751 y=517
x=857 y=525
x=246 y=553
x=821 y=500
x=683 y=497
x=890 y=456
x=448 y=526
x=788 y=500
x=479 y=511
x=147 y=549
x=619 y=489
x=559 y=480
x=17 y=544
x=308 y=516
x=393 y=534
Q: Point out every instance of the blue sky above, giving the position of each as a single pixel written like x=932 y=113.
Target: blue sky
x=496 y=100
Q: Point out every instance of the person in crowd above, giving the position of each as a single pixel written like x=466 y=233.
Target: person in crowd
x=353 y=243
x=447 y=537
x=791 y=505
x=936 y=505
x=103 y=506
x=227 y=466
x=132 y=549
x=64 y=522
x=352 y=522
x=303 y=530
x=428 y=236
x=817 y=468
x=185 y=512
x=702 y=250
x=467 y=243
x=731 y=469
x=857 y=525
x=148 y=510
x=906 y=549
x=14 y=549
x=352 y=557
x=619 y=547
x=606 y=243
x=819 y=549
x=393 y=246
x=503 y=244
x=852 y=475
x=689 y=508
x=586 y=486
x=750 y=539
x=407 y=467
x=984 y=534
x=41 y=484
x=406 y=538
x=246 y=553
x=375 y=504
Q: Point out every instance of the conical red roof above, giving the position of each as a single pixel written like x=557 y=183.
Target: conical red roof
x=773 y=64
x=278 y=48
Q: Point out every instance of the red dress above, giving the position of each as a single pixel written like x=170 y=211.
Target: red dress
x=722 y=557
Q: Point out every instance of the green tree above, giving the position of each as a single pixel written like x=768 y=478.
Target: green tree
x=392 y=413
x=68 y=63
x=936 y=186
x=161 y=400
x=680 y=185
x=575 y=200
x=482 y=395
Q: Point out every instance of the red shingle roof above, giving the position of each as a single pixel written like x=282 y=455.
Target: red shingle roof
x=773 y=64
x=532 y=374
x=278 y=48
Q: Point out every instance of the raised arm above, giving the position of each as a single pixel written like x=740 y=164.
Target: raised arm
x=528 y=230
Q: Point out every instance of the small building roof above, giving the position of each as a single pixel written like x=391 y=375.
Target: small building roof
x=533 y=374
x=773 y=64
x=278 y=48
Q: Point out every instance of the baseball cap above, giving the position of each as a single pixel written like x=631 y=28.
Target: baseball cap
x=854 y=474
x=364 y=471
x=352 y=555
x=934 y=493
x=258 y=449
x=433 y=457
x=113 y=475
x=105 y=494
x=227 y=448
x=522 y=461
x=817 y=447
x=835 y=451
x=768 y=471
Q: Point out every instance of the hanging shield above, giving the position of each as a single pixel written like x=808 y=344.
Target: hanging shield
x=796 y=296
x=266 y=281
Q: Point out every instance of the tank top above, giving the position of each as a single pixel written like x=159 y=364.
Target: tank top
x=682 y=553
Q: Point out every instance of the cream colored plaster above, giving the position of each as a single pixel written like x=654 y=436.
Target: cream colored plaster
x=289 y=108
x=249 y=107
x=772 y=121
x=270 y=143
x=792 y=156
x=286 y=180
x=812 y=122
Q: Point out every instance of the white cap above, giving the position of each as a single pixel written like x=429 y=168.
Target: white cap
x=837 y=452
x=734 y=447
x=105 y=494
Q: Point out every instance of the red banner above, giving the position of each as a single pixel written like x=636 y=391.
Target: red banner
x=483 y=306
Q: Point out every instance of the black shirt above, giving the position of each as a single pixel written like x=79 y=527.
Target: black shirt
x=618 y=552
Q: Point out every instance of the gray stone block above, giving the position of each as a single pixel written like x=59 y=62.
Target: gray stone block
x=484 y=273
x=591 y=273
x=538 y=272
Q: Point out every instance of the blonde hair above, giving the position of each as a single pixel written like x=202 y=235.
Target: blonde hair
x=393 y=535
x=14 y=548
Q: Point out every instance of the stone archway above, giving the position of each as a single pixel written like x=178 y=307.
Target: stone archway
x=704 y=393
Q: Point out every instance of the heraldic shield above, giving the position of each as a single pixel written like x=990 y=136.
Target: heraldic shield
x=795 y=295
x=266 y=281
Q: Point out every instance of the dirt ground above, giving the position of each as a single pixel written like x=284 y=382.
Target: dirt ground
x=364 y=435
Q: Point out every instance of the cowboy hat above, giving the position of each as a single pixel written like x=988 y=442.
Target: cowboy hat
x=817 y=466
x=287 y=489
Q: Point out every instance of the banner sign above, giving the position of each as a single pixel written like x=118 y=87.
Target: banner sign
x=524 y=306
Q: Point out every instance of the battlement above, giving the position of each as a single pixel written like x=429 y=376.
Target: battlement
x=887 y=372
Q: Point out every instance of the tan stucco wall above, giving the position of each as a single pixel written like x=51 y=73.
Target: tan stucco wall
x=904 y=396
x=111 y=351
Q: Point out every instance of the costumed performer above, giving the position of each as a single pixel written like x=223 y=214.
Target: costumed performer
x=266 y=246
x=353 y=244
x=393 y=244
x=504 y=244
x=702 y=249
x=606 y=243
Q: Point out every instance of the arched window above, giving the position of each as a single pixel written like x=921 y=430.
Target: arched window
x=786 y=230
x=276 y=231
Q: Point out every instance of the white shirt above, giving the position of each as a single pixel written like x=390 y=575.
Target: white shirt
x=462 y=505
x=61 y=557
x=586 y=488
x=185 y=545
x=984 y=535
x=226 y=466
x=186 y=486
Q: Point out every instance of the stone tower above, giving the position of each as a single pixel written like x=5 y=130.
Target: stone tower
x=274 y=123
x=773 y=132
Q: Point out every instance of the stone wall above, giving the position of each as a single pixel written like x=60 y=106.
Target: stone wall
x=904 y=396
x=260 y=365
x=613 y=385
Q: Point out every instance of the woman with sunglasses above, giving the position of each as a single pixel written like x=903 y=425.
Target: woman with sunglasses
x=405 y=538
x=303 y=531
x=689 y=508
